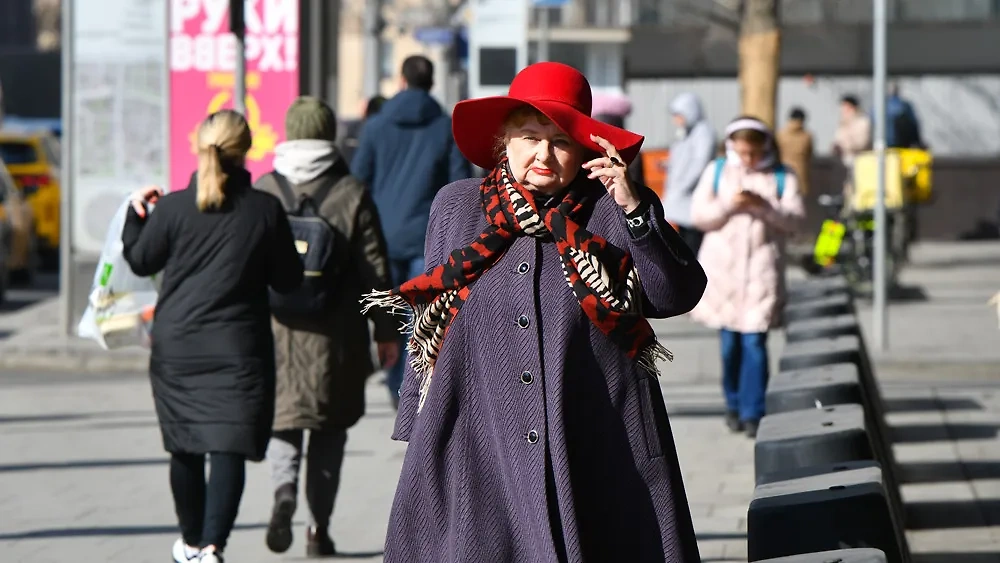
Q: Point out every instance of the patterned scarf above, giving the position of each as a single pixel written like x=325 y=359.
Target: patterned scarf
x=602 y=276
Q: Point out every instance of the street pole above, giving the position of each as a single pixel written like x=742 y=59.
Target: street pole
x=237 y=25
x=543 y=33
x=316 y=53
x=373 y=47
x=880 y=323
x=66 y=266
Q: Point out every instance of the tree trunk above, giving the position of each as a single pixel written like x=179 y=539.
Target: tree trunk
x=760 y=59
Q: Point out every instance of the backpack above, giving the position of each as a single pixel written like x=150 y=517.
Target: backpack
x=319 y=246
x=779 y=174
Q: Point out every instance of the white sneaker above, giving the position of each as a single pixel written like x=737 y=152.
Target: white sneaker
x=183 y=553
x=211 y=557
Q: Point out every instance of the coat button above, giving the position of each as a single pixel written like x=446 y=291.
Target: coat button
x=523 y=268
x=527 y=378
x=522 y=321
x=532 y=437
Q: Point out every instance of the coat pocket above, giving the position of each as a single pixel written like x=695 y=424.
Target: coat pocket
x=650 y=431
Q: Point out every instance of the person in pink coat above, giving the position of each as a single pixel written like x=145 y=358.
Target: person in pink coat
x=748 y=204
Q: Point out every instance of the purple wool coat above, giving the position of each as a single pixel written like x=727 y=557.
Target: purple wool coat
x=542 y=444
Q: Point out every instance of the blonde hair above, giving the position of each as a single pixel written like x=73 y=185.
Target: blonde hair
x=223 y=139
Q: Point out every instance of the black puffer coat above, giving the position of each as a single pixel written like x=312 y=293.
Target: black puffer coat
x=212 y=363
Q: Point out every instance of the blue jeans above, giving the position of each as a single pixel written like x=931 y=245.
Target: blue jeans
x=744 y=373
x=401 y=270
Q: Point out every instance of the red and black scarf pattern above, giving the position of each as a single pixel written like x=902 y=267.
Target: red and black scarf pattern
x=601 y=275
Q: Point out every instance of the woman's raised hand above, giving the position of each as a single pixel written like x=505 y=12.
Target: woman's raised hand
x=612 y=171
x=142 y=196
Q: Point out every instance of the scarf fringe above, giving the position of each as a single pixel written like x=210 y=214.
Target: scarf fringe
x=397 y=305
x=384 y=300
x=652 y=354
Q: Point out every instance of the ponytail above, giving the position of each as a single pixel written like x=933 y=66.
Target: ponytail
x=211 y=179
x=223 y=141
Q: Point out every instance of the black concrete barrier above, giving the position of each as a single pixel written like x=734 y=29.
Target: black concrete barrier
x=820 y=352
x=813 y=437
x=823 y=510
x=826 y=479
x=813 y=288
x=835 y=384
x=829 y=305
x=823 y=327
x=863 y=555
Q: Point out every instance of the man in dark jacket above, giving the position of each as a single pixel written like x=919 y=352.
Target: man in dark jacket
x=405 y=155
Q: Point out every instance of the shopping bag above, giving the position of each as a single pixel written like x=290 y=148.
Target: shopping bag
x=120 y=308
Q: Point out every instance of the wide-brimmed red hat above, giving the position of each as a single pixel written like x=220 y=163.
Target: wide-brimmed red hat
x=558 y=91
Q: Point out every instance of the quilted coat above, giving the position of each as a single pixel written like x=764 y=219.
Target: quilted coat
x=323 y=363
x=542 y=444
x=212 y=361
x=743 y=253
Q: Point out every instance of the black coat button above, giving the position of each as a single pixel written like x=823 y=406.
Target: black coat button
x=522 y=321
x=532 y=437
x=523 y=268
x=527 y=378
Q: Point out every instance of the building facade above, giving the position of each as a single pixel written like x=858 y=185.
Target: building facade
x=945 y=56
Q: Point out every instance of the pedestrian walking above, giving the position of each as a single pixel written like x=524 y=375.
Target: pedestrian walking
x=852 y=137
x=795 y=144
x=535 y=421
x=352 y=128
x=613 y=109
x=748 y=204
x=322 y=348
x=689 y=155
x=406 y=154
x=220 y=245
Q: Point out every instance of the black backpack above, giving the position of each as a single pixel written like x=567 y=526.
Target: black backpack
x=319 y=246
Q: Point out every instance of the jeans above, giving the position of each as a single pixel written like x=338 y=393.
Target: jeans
x=323 y=462
x=402 y=270
x=206 y=514
x=744 y=373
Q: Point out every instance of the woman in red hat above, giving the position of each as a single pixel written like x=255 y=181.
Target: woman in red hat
x=536 y=426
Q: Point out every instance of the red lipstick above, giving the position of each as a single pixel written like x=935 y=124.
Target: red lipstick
x=542 y=171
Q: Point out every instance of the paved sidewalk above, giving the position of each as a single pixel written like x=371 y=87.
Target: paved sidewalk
x=85 y=476
x=90 y=477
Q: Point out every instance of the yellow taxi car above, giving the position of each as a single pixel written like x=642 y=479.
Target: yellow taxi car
x=18 y=221
x=33 y=160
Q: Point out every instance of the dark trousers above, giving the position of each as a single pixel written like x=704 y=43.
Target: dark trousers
x=402 y=271
x=324 y=459
x=744 y=373
x=207 y=512
x=691 y=237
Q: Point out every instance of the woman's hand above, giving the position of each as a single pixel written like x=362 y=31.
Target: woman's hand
x=612 y=171
x=747 y=201
x=142 y=196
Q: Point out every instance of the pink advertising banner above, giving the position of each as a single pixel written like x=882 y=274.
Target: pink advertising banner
x=202 y=60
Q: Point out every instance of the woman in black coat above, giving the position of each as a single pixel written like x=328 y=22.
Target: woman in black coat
x=219 y=245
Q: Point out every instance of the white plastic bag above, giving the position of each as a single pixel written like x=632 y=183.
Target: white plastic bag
x=120 y=308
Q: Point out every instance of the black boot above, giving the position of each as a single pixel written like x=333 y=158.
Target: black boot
x=751 y=428
x=279 y=530
x=733 y=421
x=318 y=543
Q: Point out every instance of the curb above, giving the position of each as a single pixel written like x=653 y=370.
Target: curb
x=73 y=360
